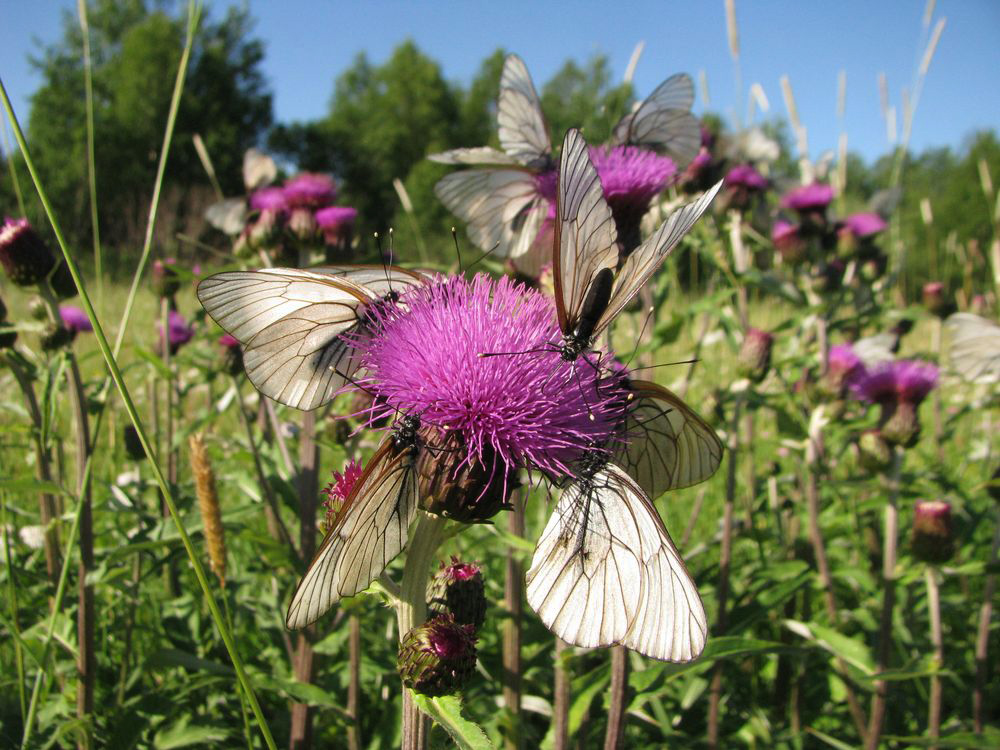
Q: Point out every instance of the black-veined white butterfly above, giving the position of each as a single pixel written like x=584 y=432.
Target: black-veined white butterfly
x=590 y=288
x=368 y=532
x=230 y=215
x=292 y=323
x=665 y=445
x=504 y=204
x=974 y=347
x=605 y=571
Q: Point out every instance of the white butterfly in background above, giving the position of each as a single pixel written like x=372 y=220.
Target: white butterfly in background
x=292 y=323
x=503 y=203
x=974 y=347
x=230 y=215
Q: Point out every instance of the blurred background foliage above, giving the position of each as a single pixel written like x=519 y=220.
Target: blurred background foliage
x=382 y=120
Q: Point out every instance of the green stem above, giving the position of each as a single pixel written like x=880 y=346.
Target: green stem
x=12 y=599
x=88 y=85
x=934 y=610
x=123 y=390
x=247 y=732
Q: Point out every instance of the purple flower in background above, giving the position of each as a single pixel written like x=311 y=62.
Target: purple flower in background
x=509 y=411
x=898 y=388
x=228 y=341
x=269 y=199
x=179 y=332
x=745 y=176
x=337 y=224
x=309 y=190
x=843 y=367
x=788 y=241
x=75 y=319
x=631 y=177
x=808 y=198
x=864 y=224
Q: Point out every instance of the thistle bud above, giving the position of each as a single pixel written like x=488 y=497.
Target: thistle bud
x=788 y=242
x=37 y=309
x=458 y=589
x=934 y=299
x=900 y=423
x=826 y=277
x=133 y=446
x=438 y=657
x=24 y=255
x=755 y=354
x=932 y=539
x=873 y=268
x=166 y=284
x=874 y=453
x=232 y=356
x=56 y=336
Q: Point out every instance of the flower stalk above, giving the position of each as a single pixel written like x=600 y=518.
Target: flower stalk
x=514 y=604
x=934 y=611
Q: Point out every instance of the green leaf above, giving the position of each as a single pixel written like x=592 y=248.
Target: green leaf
x=447 y=711
x=181 y=734
x=850 y=650
x=831 y=741
x=172 y=657
x=584 y=690
x=33 y=485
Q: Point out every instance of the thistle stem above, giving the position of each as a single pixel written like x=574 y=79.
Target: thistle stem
x=983 y=635
x=513 y=602
x=354 y=683
x=934 y=611
x=561 y=698
x=619 y=698
x=878 y=710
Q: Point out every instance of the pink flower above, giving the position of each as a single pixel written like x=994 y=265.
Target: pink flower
x=179 y=332
x=334 y=217
x=227 y=341
x=269 y=199
x=815 y=197
x=75 y=319
x=309 y=190
x=902 y=381
x=864 y=224
x=339 y=490
x=746 y=177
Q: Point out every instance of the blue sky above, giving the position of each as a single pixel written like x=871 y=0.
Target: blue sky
x=309 y=43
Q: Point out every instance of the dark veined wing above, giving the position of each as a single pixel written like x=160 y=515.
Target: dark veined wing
x=586 y=240
x=379 y=280
x=523 y=132
x=974 y=347
x=369 y=532
x=503 y=208
x=645 y=259
x=476 y=155
x=290 y=324
x=666 y=445
x=605 y=572
x=664 y=120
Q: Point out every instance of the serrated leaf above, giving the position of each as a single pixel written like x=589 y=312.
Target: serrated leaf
x=447 y=712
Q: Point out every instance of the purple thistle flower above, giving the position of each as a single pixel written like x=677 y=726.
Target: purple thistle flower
x=808 y=198
x=229 y=342
x=179 y=332
x=547 y=183
x=269 y=199
x=746 y=177
x=903 y=381
x=75 y=319
x=787 y=238
x=843 y=368
x=309 y=190
x=527 y=409
x=864 y=224
x=334 y=217
x=631 y=177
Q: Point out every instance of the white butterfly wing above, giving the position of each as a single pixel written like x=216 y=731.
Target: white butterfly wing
x=259 y=169
x=522 y=129
x=379 y=280
x=290 y=324
x=664 y=120
x=606 y=573
x=503 y=208
x=645 y=259
x=227 y=216
x=974 y=347
x=586 y=238
x=476 y=155
x=877 y=349
x=370 y=531
x=666 y=445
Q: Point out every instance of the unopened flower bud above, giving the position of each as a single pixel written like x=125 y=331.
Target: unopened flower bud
x=458 y=589
x=932 y=540
x=826 y=277
x=165 y=281
x=934 y=299
x=874 y=453
x=24 y=255
x=133 y=446
x=788 y=242
x=900 y=423
x=438 y=657
x=231 y=354
x=56 y=336
x=755 y=354
x=873 y=268
x=37 y=309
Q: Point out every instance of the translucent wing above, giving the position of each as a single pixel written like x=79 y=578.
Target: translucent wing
x=667 y=446
x=606 y=573
x=522 y=129
x=259 y=169
x=290 y=323
x=646 y=258
x=227 y=216
x=379 y=280
x=586 y=238
x=974 y=347
x=477 y=155
x=502 y=207
x=370 y=531
x=874 y=350
x=664 y=120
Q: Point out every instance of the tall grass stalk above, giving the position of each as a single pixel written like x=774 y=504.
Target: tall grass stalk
x=88 y=86
x=110 y=360
x=12 y=605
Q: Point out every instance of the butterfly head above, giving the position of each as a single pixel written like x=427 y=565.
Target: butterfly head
x=406 y=431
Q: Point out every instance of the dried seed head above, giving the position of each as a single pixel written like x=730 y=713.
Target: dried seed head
x=208 y=504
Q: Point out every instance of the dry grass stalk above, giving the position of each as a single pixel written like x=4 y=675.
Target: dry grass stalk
x=732 y=29
x=208 y=503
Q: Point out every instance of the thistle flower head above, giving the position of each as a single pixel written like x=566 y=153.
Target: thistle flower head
x=269 y=199
x=746 y=177
x=843 y=366
x=24 y=255
x=934 y=299
x=525 y=407
x=338 y=491
x=932 y=539
x=864 y=224
x=755 y=354
x=788 y=241
x=309 y=190
x=335 y=217
x=458 y=589
x=75 y=319
x=547 y=184
x=808 y=198
x=179 y=332
x=902 y=381
x=166 y=282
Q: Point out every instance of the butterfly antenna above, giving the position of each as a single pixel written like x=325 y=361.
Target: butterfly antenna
x=480 y=258
x=458 y=251
x=391 y=248
x=668 y=364
x=638 y=340
x=583 y=393
x=508 y=354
